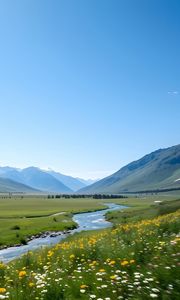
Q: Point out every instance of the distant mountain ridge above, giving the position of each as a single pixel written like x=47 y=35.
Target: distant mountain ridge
x=10 y=186
x=42 y=180
x=73 y=183
x=35 y=178
x=88 y=181
x=157 y=170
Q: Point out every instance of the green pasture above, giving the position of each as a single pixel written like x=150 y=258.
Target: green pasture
x=22 y=217
x=17 y=207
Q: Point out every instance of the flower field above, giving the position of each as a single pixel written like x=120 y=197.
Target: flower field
x=131 y=261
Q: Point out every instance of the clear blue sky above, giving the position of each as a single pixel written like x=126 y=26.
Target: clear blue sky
x=88 y=86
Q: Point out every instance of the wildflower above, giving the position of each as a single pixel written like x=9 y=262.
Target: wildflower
x=31 y=284
x=113 y=277
x=137 y=276
x=170 y=286
x=83 y=286
x=155 y=290
x=152 y=295
x=2 y=266
x=124 y=263
x=50 y=253
x=132 y=261
x=2 y=290
x=72 y=256
x=82 y=291
x=22 y=274
x=112 y=262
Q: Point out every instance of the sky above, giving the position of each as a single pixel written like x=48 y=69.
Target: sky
x=88 y=86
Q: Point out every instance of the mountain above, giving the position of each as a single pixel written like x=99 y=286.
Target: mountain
x=88 y=181
x=10 y=186
x=35 y=178
x=157 y=170
x=73 y=183
x=38 y=178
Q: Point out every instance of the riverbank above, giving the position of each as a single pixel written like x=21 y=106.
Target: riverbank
x=21 y=218
x=40 y=235
x=50 y=233
x=84 y=221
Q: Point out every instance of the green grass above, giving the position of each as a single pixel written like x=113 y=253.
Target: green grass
x=138 y=211
x=16 y=231
x=42 y=206
x=32 y=215
x=137 y=260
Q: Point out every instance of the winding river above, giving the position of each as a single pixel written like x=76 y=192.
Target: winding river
x=86 y=221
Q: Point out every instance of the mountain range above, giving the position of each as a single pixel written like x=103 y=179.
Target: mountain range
x=33 y=179
x=157 y=170
x=8 y=186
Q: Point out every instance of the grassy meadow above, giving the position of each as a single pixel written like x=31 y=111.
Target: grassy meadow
x=136 y=259
x=25 y=216
x=22 y=217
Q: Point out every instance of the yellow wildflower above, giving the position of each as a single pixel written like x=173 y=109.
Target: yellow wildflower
x=83 y=286
x=132 y=261
x=102 y=270
x=50 y=253
x=124 y=263
x=112 y=262
x=2 y=266
x=31 y=284
x=113 y=277
x=2 y=290
x=22 y=274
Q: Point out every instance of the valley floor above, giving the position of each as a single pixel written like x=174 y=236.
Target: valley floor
x=23 y=217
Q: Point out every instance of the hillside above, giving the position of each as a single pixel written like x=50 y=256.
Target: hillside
x=9 y=186
x=157 y=170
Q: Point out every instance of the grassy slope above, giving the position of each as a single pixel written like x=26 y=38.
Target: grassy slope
x=137 y=212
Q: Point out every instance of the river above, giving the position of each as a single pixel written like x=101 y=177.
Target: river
x=86 y=221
